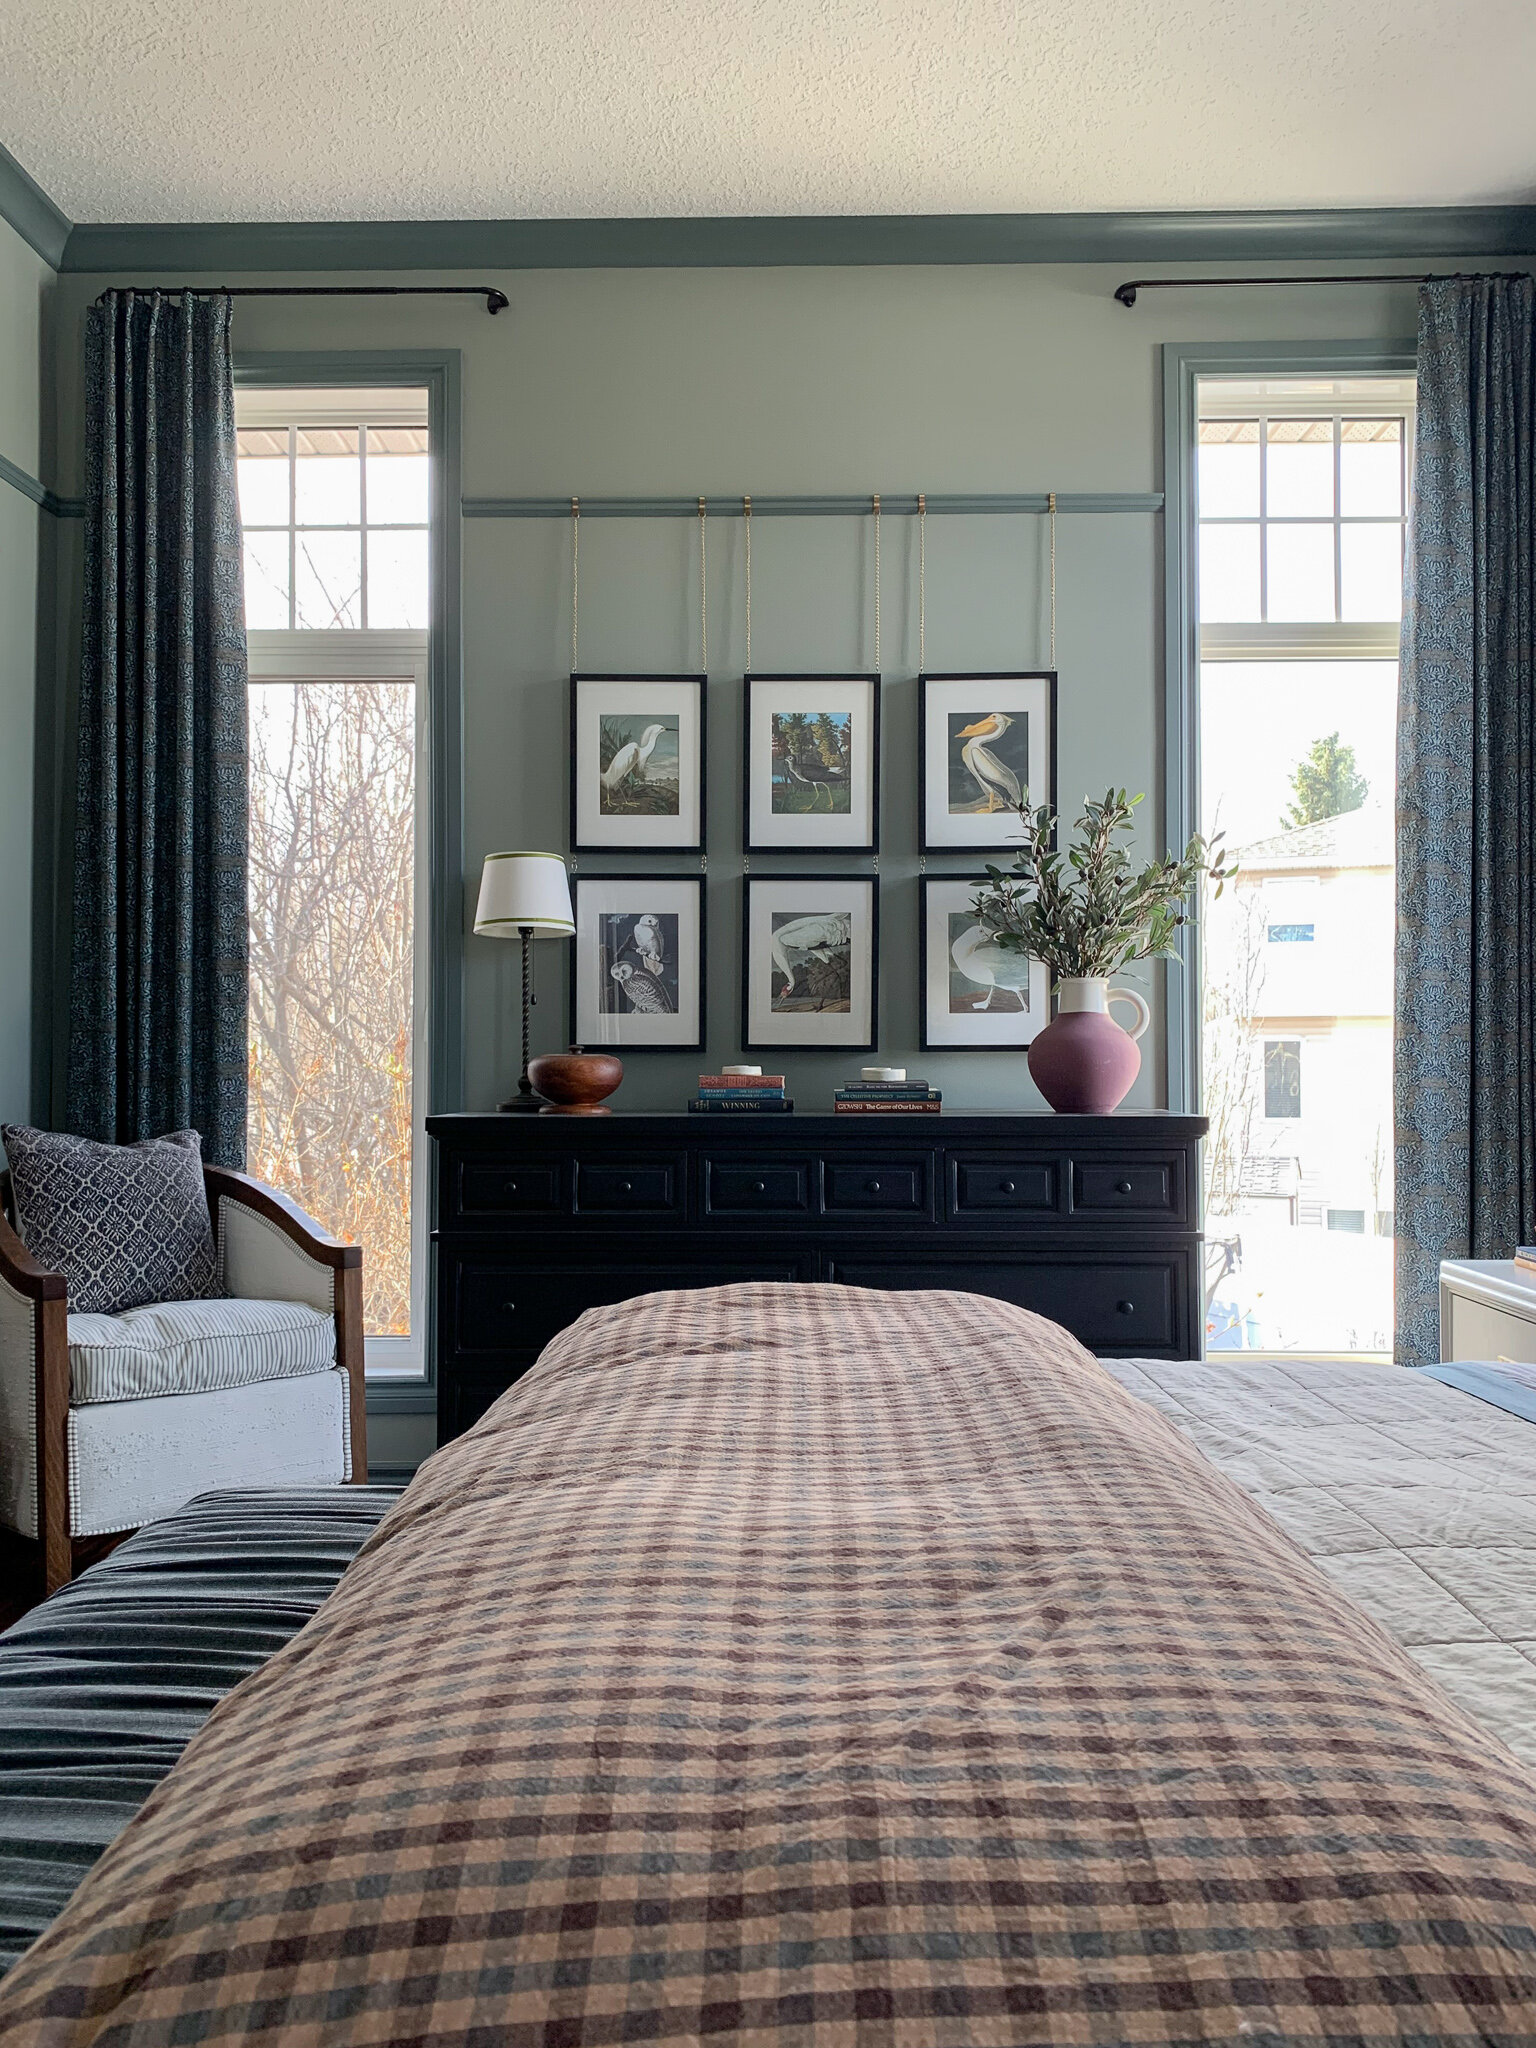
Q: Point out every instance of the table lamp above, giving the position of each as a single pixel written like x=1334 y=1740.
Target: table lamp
x=526 y=895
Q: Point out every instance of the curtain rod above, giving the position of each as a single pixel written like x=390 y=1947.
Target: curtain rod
x=1126 y=293
x=840 y=507
x=495 y=299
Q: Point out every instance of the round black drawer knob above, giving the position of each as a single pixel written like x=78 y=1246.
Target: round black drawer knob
x=1122 y=1187
x=511 y=1187
x=1125 y=1308
x=1006 y=1186
x=759 y=1187
x=509 y=1308
x=871 y=1187
x=626 y=1187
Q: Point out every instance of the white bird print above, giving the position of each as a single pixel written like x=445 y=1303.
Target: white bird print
x=630 y=761
x=816 y=937
x=642 y=991
x=648 y=942
x=991 y=966
x=993 y=777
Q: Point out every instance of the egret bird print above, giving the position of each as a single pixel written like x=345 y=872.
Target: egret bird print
x=639 y=767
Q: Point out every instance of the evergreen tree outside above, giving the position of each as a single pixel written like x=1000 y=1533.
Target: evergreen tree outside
x=1327 y=783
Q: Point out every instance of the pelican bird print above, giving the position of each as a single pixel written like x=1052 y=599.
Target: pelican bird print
x=820 y=937
x=642 y=991
x=991 y=774
x=993 y=969
x=630 y=762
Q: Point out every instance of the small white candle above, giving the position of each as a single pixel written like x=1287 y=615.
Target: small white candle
x=882 y=1073
x=741 y=1070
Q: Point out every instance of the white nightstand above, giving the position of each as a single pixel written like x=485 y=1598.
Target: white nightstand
x=1487 y=1311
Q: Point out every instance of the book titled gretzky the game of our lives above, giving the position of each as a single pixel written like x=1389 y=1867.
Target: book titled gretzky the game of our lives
x=885 y=1091
x=740 y=1089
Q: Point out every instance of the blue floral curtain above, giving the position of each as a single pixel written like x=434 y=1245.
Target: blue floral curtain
x=1466 y=834
x=158 y=972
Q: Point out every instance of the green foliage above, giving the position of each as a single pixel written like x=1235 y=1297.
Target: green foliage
x=1327 y=783
x=1088 y=911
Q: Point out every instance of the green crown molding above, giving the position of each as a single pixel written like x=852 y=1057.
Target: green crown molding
x=30 y=211
x=1356 y=235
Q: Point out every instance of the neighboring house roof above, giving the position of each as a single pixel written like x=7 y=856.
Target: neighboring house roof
x=1356 y=839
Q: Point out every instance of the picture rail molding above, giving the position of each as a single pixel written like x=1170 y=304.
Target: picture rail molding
x=845 y=505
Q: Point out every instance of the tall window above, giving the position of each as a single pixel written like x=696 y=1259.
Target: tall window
x=1301 y=497
x=334 y=503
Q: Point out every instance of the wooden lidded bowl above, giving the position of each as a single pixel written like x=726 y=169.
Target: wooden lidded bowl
x=574 y=1083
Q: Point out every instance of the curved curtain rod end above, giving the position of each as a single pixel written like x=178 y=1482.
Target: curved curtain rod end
x=496 y=301
x=1126 y=294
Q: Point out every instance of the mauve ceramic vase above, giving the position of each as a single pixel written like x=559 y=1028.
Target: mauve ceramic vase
x=1083 y=1063
x=574 y=1083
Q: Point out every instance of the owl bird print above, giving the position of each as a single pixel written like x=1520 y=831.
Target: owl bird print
x=638 y=963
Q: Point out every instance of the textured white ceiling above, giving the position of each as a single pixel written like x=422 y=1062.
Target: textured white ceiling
x=399 y=109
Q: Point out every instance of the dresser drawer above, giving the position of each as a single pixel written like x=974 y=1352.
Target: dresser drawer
x=490 y=1190
x=1130 y=1305
x=1140 y=1187
x=641 y=1187
x=895 y=1187
x=984 y=1183
x=495 y=1315
x=758 y=1187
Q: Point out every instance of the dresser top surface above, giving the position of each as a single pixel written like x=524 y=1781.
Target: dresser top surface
x=947 y=1126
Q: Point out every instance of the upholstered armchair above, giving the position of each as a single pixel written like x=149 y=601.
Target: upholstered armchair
x=109 y=1421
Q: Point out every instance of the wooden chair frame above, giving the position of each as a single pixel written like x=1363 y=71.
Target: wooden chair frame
x=60 y=1553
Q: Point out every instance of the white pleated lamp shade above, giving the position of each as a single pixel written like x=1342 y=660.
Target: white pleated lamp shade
x=521 y=891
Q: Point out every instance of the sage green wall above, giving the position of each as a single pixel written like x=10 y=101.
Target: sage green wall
x=783 y=381
x=787 y=381
x=24 y=280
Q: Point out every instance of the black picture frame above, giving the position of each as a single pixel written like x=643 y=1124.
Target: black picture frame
x=651 y=844
x=1047 y=676
x=759 y=678
x=926 y=1041
x=624 y=1047
x=750 y=883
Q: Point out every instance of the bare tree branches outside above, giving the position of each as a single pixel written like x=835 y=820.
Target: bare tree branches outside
x=332 y=859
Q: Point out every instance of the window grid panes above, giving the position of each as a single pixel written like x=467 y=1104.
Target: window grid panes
x=1302 y=501
x=335 y=524
x=1301 y=520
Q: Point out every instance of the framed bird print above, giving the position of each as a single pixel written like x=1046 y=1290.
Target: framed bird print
x=812 y=764
x=983 y=741
x=637 y=962
x=637 y=764
x=976 y=994
x=810 y=960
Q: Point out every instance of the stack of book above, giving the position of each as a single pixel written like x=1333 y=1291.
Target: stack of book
x=1525 y=1255
x=864 y=1098
x=732 y=1092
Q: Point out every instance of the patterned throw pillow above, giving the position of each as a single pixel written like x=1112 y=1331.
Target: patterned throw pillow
x=124 y=1224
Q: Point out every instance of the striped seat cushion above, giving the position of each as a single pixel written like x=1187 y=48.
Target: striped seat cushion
x=191 y=1347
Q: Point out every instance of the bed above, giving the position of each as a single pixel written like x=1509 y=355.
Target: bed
x=803 y=1665
x=1418 y=1502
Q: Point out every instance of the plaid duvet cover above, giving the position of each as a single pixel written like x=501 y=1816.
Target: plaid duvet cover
x=825 y=1669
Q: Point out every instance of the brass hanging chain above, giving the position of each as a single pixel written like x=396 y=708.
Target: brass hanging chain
x=703 y=589
x=922 y=582
x=575 y=579
x=746 y=517
x=1051 y=503
x=877 y=581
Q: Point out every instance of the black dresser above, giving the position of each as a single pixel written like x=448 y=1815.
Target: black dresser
x=1093 y=1221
